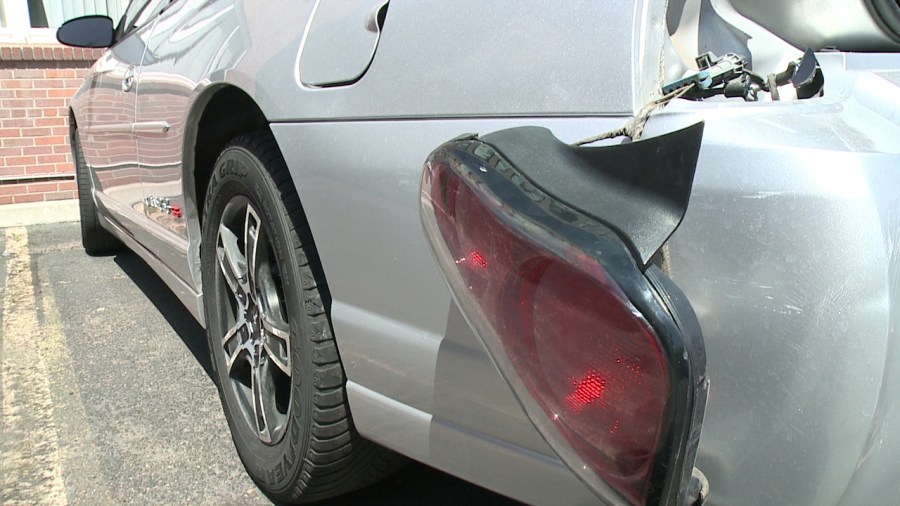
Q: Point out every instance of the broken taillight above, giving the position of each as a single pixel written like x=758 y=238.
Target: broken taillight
x=545 y=288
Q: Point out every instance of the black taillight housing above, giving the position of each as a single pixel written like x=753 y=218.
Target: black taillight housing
x=604 y=353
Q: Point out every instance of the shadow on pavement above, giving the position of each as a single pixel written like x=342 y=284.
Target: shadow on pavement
x=413 y=485
x=168 y=305
x=419 y=484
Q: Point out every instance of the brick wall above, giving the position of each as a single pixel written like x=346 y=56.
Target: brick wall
x=36 y=83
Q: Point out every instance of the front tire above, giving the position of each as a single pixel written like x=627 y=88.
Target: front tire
x=279 y=373
x=95 y=239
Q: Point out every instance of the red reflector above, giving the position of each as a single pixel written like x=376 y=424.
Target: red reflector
x=587 y=390
x=584 y=353
x=477 y=260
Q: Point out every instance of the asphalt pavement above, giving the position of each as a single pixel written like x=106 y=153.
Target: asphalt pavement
x=106 y=390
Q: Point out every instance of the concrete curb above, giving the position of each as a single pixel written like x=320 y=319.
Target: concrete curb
x=36 y=213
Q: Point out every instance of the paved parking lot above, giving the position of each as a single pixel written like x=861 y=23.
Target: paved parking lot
x=106 y=391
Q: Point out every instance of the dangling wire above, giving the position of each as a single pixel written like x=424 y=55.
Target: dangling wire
x=635 y=128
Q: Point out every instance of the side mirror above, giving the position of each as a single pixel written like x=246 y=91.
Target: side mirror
x=87 y=31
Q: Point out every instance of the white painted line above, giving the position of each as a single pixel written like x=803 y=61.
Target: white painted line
x=79 y=455
x=30 y=450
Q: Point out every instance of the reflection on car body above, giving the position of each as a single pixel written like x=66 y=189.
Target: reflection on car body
x=325 y=186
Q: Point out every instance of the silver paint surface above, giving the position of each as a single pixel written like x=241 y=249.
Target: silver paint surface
x=788 y=252
x=340 y=42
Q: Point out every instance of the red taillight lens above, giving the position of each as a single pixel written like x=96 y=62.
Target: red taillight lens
x=598 y=365
x=585 y=354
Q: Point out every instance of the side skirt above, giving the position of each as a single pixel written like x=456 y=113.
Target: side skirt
x=192 y=300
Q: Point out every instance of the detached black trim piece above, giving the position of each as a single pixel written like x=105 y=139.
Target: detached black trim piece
x=639 y=189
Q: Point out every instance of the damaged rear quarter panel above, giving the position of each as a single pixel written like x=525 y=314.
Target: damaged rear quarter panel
x=788 y=253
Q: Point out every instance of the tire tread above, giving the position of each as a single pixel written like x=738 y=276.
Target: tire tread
x=338 y=459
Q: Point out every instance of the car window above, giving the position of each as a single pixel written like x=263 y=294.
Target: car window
x=139 y=12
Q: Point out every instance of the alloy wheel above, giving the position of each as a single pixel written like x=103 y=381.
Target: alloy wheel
x=256 y=342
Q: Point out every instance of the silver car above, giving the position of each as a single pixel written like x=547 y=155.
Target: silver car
x=622 y=252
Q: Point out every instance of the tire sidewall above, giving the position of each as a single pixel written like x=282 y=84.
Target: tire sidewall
x=238 y=171
x=87 y=209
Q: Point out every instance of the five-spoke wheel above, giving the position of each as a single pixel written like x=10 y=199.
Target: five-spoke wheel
x=258 y=341
x=273 y=353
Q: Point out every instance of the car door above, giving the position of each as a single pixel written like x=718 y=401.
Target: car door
x=108 y=140
x=166 y=83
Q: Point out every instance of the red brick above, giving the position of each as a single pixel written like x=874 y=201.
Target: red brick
x=37 y=150
x=12 y=171
x=53 y=158
x=36 y=131
x=13 y=189
x=40 y=169
x=28 y=73
x=60 y=73
x=16 y=122
x=65 y=93
x=43 y=141
x=31 y=93
x=34 y=110
x=32 y=197
x=16 y=83
x=50 y=83
x=49 y=102
x=42 y=187
x=50 y=121
x=21 y=160
x=61 y=195
x=19 y=103
x=8 y=142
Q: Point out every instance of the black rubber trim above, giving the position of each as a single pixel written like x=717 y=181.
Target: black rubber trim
x=639 y=189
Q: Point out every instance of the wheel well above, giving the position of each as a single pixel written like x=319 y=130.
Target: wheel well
x=229 y=113
x=73 y=125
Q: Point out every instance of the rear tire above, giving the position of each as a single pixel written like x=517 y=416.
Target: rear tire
x=275 y=359
x=95 y=239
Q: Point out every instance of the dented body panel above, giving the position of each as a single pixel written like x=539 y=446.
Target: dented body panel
x=787 y=252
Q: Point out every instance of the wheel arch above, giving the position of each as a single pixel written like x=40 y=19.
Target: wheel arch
x=73 y=125
x=221 y=112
